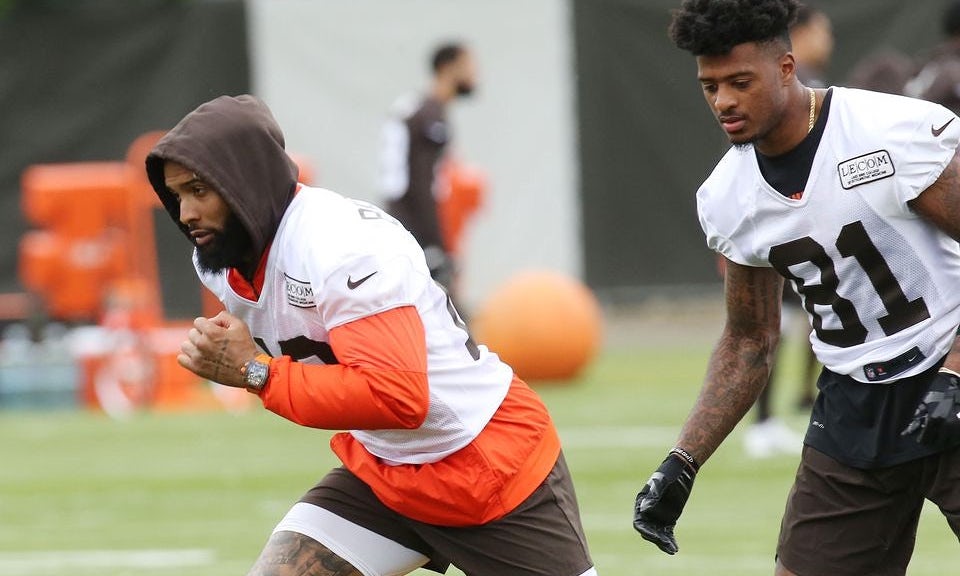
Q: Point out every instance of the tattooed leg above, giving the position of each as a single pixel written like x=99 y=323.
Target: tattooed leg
x=293 y=554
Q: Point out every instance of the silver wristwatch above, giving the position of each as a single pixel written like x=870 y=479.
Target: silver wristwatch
x=256 y=373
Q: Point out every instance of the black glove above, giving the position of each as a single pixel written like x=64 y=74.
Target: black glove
x=661 y=501
x=938 y=415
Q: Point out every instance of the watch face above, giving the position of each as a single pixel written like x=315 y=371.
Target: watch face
x=256 y=375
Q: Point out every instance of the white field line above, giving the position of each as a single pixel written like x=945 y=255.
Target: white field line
x=685 y=562
x=62 y=561
x=619 y=437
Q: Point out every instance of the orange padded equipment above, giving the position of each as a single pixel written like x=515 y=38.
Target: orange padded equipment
x=546 y=325
x=81 y=244
x=463 y=189
x=77 y=200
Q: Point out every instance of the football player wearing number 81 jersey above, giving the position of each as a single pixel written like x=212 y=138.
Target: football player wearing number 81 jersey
x=854 y=197
x=332 y=319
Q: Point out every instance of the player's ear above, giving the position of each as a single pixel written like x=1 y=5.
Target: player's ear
x=788 y=68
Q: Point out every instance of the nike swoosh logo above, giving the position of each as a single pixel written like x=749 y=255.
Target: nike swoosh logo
x=938 y=131
x=353 y=284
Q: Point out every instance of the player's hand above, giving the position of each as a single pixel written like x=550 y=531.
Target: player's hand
x=661 y=501
x=216 y=348
x=938 y=414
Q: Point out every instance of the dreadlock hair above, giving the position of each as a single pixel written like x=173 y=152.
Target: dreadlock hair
x=714 y=27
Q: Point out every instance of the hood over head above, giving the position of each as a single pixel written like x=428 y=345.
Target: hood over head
x=235 y=145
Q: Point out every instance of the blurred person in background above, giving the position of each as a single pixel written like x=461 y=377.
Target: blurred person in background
x=333 y=321
x=884 y=70
x=939 y=77
x=414 y=144
x=854 y=197
x=812 y=39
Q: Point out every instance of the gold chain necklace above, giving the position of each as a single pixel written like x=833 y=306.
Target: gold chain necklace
x=813 y=109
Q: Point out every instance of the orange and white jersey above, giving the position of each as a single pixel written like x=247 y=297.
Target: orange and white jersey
x=878 y=282
x=334 y=261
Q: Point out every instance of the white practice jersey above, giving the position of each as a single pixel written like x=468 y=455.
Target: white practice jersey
x=880 y=284
x=335 y=260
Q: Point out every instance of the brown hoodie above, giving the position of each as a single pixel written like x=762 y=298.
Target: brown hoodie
x=235 y=145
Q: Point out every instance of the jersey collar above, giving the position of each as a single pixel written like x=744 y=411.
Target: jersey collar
x=250 y=291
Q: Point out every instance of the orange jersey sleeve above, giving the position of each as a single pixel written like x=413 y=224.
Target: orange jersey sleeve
x=380 y=383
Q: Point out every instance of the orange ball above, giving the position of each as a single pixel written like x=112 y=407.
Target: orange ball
x=546 y=325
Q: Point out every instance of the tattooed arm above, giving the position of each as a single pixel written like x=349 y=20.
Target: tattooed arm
x=738 y=371
x=293 y=554
x=940 y=205
x=740 y=364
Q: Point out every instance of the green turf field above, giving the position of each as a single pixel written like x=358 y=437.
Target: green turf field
x=197 y=494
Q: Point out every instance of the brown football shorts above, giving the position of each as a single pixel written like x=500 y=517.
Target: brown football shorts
x=845 y=521
x=541 y=537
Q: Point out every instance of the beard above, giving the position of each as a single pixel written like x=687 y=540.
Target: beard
x=229 y=248
x=464 y=89
x=743 y=142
